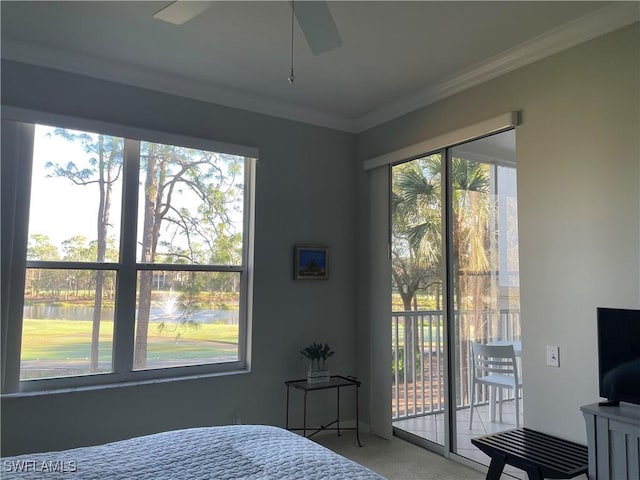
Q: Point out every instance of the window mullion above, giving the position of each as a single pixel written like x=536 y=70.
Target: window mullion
x=71 y=265
x=123 y=331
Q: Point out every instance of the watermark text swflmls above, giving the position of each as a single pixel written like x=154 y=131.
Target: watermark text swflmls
x=41 y=466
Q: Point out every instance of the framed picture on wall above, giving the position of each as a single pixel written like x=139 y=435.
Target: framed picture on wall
x=311 y=262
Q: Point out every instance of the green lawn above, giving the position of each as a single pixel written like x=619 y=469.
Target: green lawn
x=70 y=340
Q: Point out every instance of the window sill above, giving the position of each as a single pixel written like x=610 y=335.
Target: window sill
x=124 y=384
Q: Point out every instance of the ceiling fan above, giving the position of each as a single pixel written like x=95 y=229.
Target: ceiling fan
x=314 y=19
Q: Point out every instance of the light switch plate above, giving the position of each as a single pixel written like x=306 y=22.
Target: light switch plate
x=553 y=356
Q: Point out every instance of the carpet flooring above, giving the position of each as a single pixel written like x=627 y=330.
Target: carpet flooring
x=397 y=459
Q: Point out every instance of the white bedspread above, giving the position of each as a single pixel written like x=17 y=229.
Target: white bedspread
x=252 y=452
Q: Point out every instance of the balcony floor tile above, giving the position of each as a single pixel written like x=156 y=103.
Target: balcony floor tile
x=431 y=427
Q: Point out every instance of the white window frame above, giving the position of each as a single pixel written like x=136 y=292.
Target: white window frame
x=17 y=141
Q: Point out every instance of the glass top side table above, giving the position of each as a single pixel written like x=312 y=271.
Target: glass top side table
x=335 y=382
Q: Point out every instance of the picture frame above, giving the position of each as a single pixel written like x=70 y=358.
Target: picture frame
x=311 y=262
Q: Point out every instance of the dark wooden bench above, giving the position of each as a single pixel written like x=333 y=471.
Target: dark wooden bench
x=538 y=454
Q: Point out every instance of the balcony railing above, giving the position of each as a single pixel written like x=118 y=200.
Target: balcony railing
x=418 y=377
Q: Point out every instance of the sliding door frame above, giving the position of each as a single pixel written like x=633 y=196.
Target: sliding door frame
x=443 y=145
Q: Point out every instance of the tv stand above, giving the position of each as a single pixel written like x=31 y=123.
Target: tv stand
x=609 y=403
x=613 y=438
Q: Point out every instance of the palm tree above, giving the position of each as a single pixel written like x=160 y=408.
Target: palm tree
x=417 y=227
x=416 y=230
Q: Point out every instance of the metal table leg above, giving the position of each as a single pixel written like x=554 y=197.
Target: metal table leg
x=357 y=417
x=287 y=420
x=304 y=416
x=338 y=411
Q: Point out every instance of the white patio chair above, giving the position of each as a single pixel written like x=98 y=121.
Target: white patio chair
x=494 y=365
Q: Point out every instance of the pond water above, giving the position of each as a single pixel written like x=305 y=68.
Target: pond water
x=54 y=312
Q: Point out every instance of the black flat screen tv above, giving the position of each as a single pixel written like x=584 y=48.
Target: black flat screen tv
x=619 y=355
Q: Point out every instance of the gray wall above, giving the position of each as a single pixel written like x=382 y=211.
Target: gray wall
x=578 y=156
x=304 y=193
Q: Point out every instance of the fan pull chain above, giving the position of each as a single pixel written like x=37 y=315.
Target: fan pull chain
x=291 y=75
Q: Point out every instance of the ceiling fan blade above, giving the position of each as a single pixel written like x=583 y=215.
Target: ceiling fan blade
x=179 y=12
x=317 y=25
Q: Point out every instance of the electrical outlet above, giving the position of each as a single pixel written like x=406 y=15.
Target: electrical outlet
x=553 y=356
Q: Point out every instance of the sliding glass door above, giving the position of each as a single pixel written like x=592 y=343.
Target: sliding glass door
x=455 y=281
x=484 y=282
x=417 y=301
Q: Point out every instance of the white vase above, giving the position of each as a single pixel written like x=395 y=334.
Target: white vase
x=318 y=376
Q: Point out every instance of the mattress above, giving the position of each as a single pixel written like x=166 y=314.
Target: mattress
x=248 y=452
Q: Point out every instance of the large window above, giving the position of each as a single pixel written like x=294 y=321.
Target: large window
x=136 y=261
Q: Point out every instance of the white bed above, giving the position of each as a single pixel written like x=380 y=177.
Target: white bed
x=251 y=452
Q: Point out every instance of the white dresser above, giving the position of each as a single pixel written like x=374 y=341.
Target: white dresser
x=613 y=438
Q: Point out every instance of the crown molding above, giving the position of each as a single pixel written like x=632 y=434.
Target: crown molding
x=592 y=25
x=587 y=27
x=121 y=72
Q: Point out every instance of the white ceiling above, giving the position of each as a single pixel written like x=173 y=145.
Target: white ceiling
x=395 y=56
